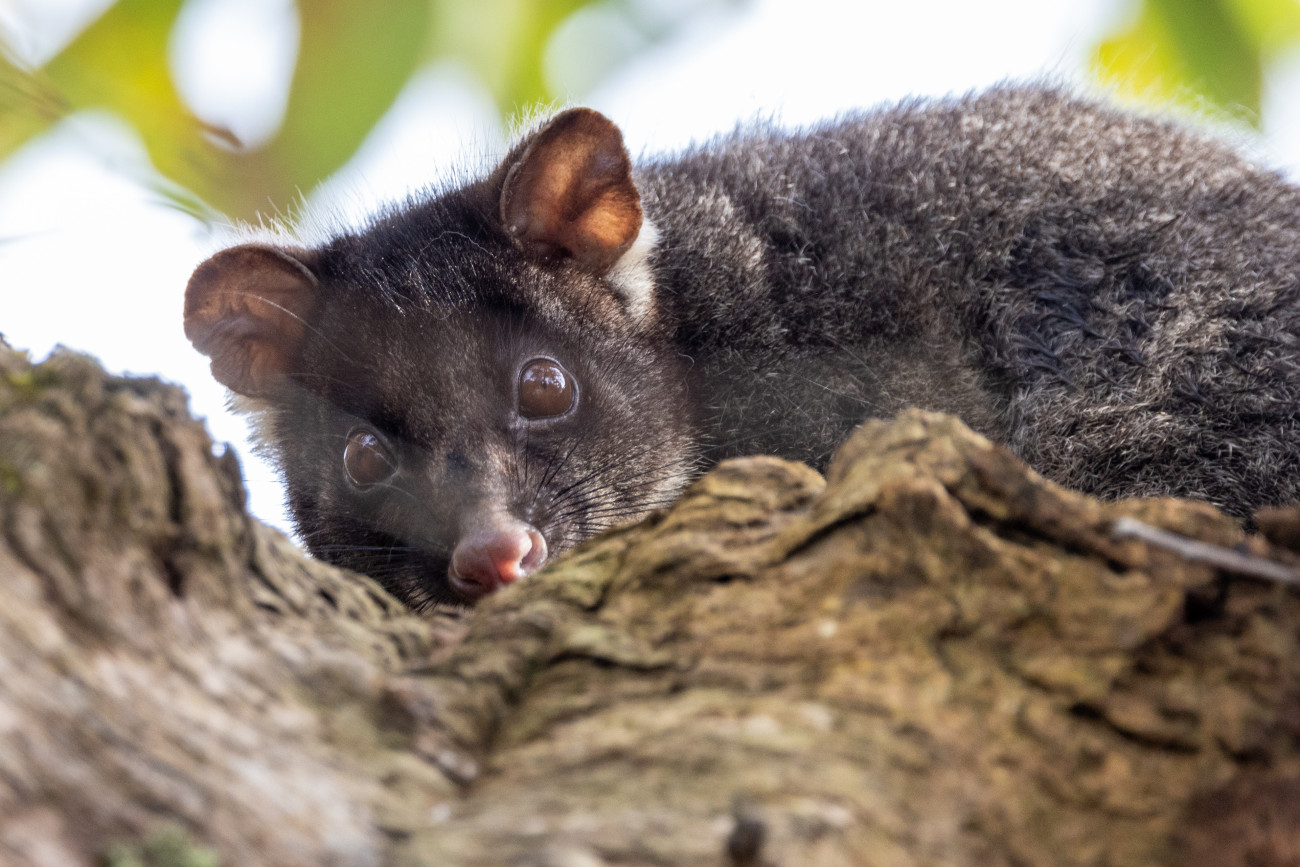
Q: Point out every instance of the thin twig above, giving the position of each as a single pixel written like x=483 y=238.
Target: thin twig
x=1203 y=552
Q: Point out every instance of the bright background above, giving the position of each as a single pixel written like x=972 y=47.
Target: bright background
x=94 y=260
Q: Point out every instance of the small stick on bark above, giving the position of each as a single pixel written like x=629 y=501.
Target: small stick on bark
x=1203 y=552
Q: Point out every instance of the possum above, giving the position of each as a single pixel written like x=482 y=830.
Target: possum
x=490 y=373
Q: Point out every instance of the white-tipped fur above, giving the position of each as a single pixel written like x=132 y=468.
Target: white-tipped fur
x=632 y=278
x=260 y=415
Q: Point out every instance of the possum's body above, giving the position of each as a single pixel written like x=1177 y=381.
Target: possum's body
x=1116 y=298
x=563 y=344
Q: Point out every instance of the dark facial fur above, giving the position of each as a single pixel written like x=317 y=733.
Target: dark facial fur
x=1116 y=298
x=447 y=411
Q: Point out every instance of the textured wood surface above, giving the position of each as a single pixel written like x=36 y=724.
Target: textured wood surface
x=931 y=657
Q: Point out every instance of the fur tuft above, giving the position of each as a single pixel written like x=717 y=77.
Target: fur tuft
x=632 y=277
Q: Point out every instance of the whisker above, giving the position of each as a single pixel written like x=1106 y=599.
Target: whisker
x=305 y=324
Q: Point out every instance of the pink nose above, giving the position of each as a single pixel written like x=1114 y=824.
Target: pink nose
x=493 y=554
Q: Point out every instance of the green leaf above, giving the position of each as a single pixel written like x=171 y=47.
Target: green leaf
x=352 y=64
x=354 y=59
x=29 y=104
x=1273 y=25
x=119 y=63
x=1219 y=57
x=1182 y=50
x=503 y=42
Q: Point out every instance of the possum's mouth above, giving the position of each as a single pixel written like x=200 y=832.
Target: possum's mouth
x=469 y=592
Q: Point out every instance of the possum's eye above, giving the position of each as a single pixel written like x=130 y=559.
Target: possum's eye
x=366 y=460
x=545 y=389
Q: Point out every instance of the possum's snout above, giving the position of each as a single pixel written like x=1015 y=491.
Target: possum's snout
x=495 y=552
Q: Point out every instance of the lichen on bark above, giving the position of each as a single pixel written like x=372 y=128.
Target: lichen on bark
x=932 y=657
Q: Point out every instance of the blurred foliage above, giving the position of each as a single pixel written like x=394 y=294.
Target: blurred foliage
x=354 y=57
x=1186 y=51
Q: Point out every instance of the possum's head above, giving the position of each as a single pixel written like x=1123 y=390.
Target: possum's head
x=472 y=384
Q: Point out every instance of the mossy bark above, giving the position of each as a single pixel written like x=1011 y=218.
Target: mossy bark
x=930 y=657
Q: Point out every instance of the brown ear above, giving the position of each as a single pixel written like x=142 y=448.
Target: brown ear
x=244 y=309
x=571 y=194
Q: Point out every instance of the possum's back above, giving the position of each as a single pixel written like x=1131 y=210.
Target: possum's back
x=1116 y=297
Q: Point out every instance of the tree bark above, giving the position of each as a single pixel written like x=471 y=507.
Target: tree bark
x=930 y=657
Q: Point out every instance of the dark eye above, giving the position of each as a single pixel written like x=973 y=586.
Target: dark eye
x=366 y=460
x=544 y=389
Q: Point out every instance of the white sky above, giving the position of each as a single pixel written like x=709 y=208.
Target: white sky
x=91 y=260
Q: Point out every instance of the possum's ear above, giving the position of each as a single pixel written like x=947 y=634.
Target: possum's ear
x=244 y=309
x=569 y=193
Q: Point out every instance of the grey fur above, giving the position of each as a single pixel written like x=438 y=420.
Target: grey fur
x=1117 y=298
